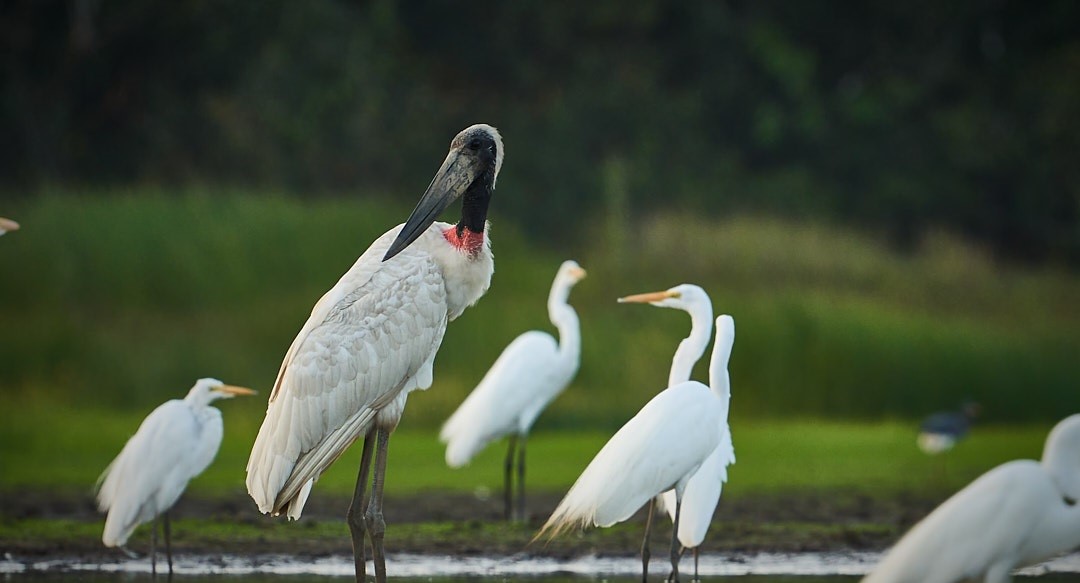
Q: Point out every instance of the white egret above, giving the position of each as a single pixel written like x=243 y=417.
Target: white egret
x=1018 y=513
x=659 y=449
x=371 y=340
x=529 y=373
x=8 y=225
x=175 y=443
x=704 y=489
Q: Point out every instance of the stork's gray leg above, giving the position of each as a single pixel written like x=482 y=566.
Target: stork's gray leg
x=358 y=507
x=645 y=543
x=508 y=472
x=376 y=526
x=168 y=541
x=153 y=548
x=675 y=554
x=521 y=478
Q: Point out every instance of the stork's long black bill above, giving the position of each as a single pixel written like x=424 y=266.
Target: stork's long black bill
x=456 y=175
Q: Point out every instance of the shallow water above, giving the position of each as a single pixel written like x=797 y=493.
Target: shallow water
x=756 y=568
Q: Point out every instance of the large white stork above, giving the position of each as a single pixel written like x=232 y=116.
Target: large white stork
x=704 y=489
x=372 y=339
x=528 y=375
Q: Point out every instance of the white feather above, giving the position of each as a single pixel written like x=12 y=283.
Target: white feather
x=175 y=443
x=369 y=341
x=1016 y=514
x=659 y=449
x=528 y=375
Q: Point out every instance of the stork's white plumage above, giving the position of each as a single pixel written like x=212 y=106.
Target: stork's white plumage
x=372 y=339
x=704 y=489
x=659 y=449
x=175 y=443
x=528 y=375
x=1017 y=514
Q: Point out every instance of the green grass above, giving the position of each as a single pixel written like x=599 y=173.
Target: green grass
x=62 y=448
x=122 y=299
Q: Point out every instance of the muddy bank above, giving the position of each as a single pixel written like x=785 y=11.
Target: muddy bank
x=49 y=524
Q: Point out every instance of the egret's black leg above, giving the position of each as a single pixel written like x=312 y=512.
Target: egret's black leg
x=168 y=541
x=358 y=507
x=682 y=551
x=696 y=549
x=153 y=548
x=521 y=478
x=675 y=554
x=376 y=526
x=645 y=543
x=508 y=472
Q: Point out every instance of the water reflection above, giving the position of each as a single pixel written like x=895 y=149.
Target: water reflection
x=143 y=578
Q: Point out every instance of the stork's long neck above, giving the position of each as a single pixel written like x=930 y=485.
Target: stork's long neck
x=566 y=320
x=693 y=346
x=474 y=203
x=468 y=234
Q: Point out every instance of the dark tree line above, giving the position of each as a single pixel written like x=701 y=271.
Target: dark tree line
x=896 y=116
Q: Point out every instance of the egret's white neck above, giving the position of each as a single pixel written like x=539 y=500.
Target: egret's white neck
x=693 y=346
x=199 y=398
x=1061 y=457
x=565 y=319
x=719 y=379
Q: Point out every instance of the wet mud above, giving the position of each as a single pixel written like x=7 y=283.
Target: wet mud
x=462 y=524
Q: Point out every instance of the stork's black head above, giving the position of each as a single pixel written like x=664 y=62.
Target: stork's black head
x=469 y=171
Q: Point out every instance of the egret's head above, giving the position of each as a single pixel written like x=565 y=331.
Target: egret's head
x=470 y=170
x=684 y=297
x=208 y=390
x=570 y=272
x=8 y=225
x=1061 y=456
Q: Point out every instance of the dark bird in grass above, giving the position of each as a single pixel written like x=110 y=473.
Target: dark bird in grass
x=940 y=431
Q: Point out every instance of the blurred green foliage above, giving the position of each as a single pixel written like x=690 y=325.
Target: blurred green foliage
x=904 y=117
x=123 y=299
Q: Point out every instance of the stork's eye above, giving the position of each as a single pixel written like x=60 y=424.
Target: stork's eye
x=475 y=144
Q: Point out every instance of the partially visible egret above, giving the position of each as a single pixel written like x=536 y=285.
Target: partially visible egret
x=529 y=373
x=659 y=449
x=8 y=225
x=1018 y=513
x=371 y=340
x=704 y=489
x=940 y=431
x=175 y=443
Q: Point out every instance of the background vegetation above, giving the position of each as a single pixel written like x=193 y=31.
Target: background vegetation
x=122 y=299
x=904 y=117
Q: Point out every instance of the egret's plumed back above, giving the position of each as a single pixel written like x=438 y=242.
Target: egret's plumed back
x=658 y=449
x=523 y=379
x=172 y=445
